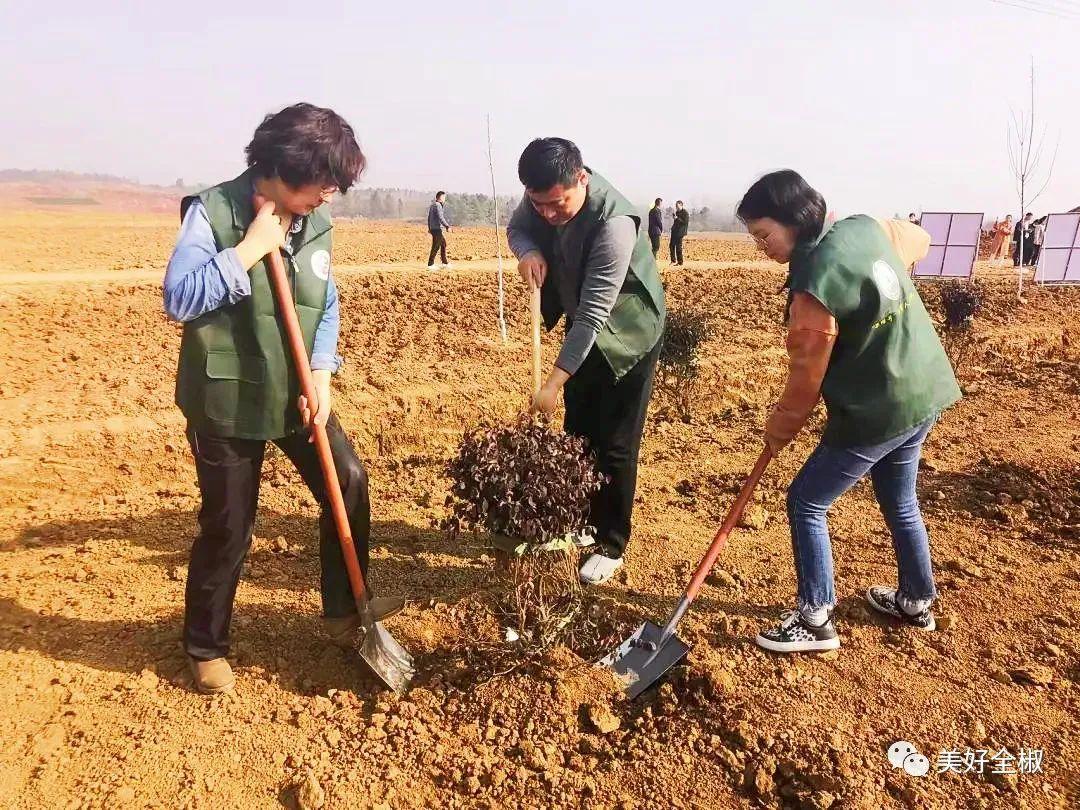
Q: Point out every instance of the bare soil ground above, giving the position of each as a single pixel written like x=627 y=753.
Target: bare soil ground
x=98 y=500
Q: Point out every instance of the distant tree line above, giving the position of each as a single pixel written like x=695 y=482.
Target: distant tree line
x=706 y=218
x=394 y=203
x=407 y=204
x=56 y=175
x=478 y=209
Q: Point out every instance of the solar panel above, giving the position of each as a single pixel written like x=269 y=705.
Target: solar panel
x=954 y=244
x=1059 y=260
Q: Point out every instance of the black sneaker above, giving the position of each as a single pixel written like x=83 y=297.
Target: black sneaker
x=795 y=634
x=883 y=600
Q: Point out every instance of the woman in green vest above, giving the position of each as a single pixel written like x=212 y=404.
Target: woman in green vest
x=860 y=338
x=236 y=384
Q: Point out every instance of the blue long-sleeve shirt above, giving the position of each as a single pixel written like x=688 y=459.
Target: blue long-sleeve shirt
x=200 y=279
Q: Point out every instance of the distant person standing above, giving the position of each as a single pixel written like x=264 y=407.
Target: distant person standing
x=438 y=225
x=656 y=226
x=1038 y=236
x=1022 y=241
x=914 y=220
x=1000 y=245
x=678 y=230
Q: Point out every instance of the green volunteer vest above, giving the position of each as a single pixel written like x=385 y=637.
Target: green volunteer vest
x=888 y=371
x=235 y=376
x=637 y=319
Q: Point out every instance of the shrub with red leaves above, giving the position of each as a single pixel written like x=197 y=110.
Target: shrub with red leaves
x=523 y=480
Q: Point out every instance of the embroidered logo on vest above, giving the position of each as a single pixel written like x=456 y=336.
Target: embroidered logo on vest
x=320 y=264
x=885 y=279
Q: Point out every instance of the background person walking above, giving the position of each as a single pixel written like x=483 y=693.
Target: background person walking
x=437 y=224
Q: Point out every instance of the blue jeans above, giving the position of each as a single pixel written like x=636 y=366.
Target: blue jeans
x=828 y=474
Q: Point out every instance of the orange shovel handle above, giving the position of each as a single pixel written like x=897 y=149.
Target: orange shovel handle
x=287 y=309
x=733 y=516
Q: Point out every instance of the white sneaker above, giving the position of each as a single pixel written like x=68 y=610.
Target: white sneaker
x=446 y=266
x=598 y=569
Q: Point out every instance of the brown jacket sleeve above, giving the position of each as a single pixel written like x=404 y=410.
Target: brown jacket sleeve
x=811 y=334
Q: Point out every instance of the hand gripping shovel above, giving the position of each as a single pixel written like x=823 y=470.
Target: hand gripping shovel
x=383 y=654
x=651 y=651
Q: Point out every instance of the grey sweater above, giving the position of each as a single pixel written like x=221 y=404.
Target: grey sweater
x=436 y=217
x=587 y=293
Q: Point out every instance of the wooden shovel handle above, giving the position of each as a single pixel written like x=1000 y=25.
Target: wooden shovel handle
x=287 y=310
x=534 y=312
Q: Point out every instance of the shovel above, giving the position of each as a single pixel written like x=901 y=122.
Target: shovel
x=534 y=316
x=387 y=659
x=651 y=651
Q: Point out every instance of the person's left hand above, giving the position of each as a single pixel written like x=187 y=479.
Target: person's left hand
x=545 y=400
x=776 y=443
x=777 y=435
x=547 y=397
x=321 y=413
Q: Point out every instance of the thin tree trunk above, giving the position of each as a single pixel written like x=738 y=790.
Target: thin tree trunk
x=498 y=235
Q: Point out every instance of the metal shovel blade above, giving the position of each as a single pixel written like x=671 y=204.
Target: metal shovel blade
x=386 y=657
x=642 y=660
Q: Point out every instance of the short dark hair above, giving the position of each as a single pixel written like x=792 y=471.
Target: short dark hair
x=911 y=214
x=679 y=202
x=548 y=162
x=785 y=197
x=658 y=200
x=305 y=144
x=439 y=194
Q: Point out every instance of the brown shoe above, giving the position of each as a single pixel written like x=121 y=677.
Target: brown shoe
x=341 y=630
x=212 y=677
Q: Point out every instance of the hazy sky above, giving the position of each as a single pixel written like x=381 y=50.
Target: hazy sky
x=883 y=106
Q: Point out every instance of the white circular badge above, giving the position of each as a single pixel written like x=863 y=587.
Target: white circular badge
x=320 y=264
x=885 y=279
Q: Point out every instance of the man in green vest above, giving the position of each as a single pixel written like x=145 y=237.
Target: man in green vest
x=236 y=384
x=581 y=242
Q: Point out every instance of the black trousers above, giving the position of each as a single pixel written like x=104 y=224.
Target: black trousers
x=438 y=244
x=228 y=472
x=611 y=415
x=655 y=239
x=676 y=249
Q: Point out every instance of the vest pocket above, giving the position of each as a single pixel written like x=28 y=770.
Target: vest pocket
x=633 y=325
x=232 y=380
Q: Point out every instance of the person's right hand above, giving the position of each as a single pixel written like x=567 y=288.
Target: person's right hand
x=533 y=266
x=267 y=229
x=265 y=233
